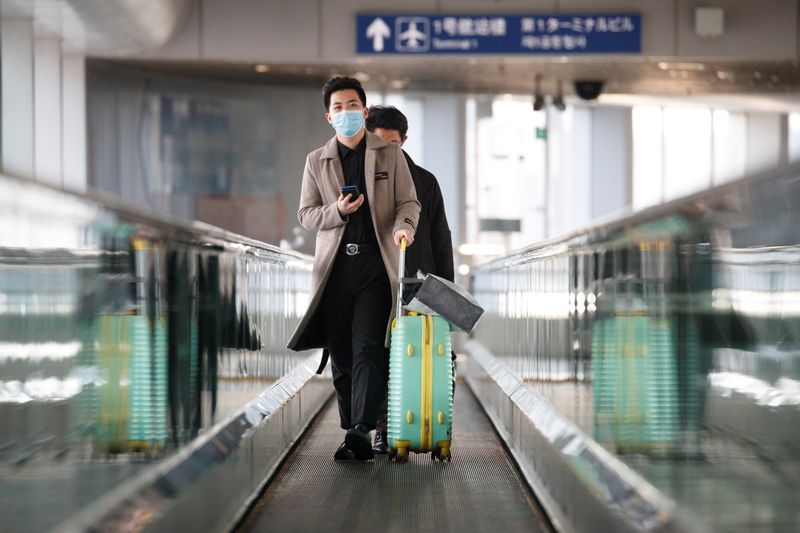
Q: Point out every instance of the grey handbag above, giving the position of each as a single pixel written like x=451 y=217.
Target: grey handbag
x=438 y=296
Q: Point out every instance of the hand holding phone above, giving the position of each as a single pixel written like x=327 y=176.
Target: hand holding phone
x=355 y=199
x=350 y=189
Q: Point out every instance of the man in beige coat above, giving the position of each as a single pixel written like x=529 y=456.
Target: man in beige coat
x=357 y=194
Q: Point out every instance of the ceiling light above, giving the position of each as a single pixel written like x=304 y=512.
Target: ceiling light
x=692 y=66
x=680 y=65
x=262 y=68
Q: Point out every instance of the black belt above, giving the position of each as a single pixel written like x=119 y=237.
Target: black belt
x=353 y=248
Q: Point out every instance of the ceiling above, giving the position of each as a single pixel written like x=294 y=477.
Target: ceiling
x=106 y=28
x=103 y=26
x=777 y=81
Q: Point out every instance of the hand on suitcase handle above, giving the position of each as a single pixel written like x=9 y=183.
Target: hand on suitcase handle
x=403 y=235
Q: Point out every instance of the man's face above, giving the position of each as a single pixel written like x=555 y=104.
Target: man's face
x=344 y=100
x=392 y=136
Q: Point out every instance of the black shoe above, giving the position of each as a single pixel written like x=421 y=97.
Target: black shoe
x=381 y=444
x=343 y=453
x=359 y=441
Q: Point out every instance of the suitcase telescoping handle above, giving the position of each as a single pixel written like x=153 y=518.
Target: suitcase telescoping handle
x=402 y=271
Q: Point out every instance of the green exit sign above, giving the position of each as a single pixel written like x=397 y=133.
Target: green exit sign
x=541 y=133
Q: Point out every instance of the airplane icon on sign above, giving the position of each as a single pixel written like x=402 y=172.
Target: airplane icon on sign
x=410 y=38
x=413 y=36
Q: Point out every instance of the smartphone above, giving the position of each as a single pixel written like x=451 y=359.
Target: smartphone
x=350 y=189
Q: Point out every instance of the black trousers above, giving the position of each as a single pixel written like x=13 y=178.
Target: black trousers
x=356 y=306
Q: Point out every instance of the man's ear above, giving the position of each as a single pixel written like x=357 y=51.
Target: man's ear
x=403 y=140
x=366 y=113
x=328 y=117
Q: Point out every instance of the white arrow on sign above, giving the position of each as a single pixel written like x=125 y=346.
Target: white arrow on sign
x=378 y=31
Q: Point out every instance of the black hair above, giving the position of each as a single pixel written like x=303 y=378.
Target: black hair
x=387 y=118
x=340 y=83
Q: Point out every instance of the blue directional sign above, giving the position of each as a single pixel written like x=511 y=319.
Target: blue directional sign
x=557 y=34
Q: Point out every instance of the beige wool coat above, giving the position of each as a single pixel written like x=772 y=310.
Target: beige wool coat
x=393 y=206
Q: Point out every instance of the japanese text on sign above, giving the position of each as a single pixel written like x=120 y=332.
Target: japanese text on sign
x=540 y=33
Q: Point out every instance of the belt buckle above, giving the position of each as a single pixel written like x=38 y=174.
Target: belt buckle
x=351 y=249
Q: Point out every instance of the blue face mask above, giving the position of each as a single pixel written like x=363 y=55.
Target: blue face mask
x=348 y=123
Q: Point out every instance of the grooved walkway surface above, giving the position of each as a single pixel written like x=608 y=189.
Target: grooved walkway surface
x=481 y=490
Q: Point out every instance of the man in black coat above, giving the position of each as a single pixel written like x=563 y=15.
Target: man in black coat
x=432 y=252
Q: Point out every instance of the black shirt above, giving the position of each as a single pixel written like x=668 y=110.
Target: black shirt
x=359 y=227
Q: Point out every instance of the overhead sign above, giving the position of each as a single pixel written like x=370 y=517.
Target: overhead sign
x=505 y=225
x=557 y=34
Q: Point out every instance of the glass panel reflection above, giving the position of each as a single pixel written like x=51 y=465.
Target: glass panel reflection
x=673 y=339
x=122 y=337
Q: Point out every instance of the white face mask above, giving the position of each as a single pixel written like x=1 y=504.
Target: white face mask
x=348 y=123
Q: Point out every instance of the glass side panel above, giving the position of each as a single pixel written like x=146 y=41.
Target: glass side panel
x=673 y=339
x=122 y=339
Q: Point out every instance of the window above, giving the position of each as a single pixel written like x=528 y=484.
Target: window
x=648 y=165
x=794 y=136
x=730 y=145
x=687 y=151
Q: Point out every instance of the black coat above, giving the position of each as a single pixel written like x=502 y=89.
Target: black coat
x=432 y=251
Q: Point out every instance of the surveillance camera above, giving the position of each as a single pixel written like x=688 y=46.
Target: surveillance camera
x=588 y=89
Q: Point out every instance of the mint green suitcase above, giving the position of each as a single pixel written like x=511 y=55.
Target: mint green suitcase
x=635 y=384
x=420 y=408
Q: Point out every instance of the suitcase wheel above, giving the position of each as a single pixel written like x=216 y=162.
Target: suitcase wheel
x=402 y=455
x=443 y=454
